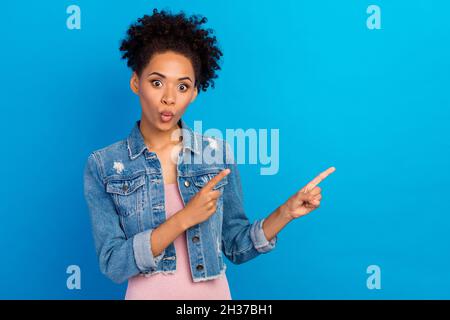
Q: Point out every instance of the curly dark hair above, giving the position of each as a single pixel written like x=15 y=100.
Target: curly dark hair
x=162 y=32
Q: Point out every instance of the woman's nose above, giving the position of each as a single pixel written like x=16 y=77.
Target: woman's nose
x=168 y=98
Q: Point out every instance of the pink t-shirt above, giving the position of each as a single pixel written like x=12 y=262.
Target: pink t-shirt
x=178 y=285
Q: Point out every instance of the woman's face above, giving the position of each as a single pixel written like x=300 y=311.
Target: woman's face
x=166 y=87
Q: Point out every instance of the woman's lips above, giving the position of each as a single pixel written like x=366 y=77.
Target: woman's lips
x=166 y=116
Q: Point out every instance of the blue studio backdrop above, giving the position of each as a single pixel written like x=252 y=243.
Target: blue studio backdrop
x=359 y=85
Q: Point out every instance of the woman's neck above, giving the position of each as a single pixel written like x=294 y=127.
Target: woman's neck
x=157 y=139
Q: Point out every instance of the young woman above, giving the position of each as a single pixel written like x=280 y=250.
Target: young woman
x=162 y=214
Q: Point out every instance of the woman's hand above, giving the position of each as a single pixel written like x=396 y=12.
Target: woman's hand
x=306 y=199
x=203 y=204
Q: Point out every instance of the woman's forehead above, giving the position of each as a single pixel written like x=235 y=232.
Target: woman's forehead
x=170 y=64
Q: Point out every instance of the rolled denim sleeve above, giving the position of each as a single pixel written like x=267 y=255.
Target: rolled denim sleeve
x=259 y=238
x=241 y=240
x=119 y=258
x=145 y=260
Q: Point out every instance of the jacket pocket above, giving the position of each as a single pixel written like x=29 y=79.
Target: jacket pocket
x=201 y=180
x=128 y=194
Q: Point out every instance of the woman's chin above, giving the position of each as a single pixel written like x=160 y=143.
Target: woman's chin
x=166 y=125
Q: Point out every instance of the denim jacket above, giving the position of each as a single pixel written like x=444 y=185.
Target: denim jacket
x=124 y=191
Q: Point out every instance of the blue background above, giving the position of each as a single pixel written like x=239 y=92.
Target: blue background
x=372 y=103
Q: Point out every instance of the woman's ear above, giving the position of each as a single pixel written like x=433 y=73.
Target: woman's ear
x=195 y=94
x=134 y=83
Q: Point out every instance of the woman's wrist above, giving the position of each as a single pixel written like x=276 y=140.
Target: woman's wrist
x=284 y=213
x=182 y=220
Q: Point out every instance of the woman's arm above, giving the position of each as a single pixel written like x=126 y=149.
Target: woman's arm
x=199 y=208
x=242 y=240
x=166 y=233
x=276 y=221
x=301 y=203
x=121 y=258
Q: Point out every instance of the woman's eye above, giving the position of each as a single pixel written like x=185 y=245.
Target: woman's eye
x=183 y=87
x=156 y=81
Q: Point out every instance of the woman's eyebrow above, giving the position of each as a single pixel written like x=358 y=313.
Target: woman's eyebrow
x=163 y=76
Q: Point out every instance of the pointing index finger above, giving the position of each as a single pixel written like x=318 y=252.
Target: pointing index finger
x=211 y=183
x=319 y=178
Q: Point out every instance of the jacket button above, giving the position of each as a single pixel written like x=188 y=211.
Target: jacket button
x=186 y=183
x=199 y=267
x=195 y=239
x=125 y=187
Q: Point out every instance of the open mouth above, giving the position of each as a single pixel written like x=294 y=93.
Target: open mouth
x=166 y=116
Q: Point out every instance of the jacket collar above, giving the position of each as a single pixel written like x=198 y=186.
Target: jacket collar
x=136 y=144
